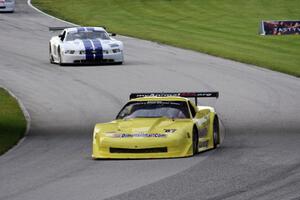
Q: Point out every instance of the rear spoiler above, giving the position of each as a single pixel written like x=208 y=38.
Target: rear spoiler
x=195 y=95
x=60 y=28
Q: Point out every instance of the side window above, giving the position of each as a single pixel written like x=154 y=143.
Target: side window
x=193 y=112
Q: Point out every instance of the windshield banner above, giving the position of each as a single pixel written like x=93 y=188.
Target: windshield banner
x=280 y=28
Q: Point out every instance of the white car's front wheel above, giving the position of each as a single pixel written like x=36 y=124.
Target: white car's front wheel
x=59 y=57
x=50 y=55
x=119 y=63
x=195 y=141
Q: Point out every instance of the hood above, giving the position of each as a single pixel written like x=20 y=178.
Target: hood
x=150 y=125
x=74 y=45
x=109 y=44
x=105 y=44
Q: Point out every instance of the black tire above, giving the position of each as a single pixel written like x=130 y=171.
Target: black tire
x=216 y=133
x=195 y=141
x=59 y=56
x=50 y=55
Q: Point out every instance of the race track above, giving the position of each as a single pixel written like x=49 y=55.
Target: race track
x=259 y=109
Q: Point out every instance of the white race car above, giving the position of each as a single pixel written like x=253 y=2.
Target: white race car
x=85 y=45
x=7 y=5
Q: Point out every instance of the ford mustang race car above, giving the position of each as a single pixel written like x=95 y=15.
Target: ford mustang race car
x=85 y=45
x=158 y=125
x=7 y=5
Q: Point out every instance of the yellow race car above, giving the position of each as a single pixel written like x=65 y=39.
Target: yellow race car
x=158 y=125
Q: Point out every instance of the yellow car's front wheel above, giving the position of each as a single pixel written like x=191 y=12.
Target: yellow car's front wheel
x=216 y=135
x=195 y=141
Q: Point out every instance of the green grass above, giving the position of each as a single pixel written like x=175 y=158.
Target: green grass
x=12 y=122
x=225 y=28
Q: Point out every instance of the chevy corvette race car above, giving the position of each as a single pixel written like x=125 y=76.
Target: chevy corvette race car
x=7 y=5
x=85 y=45
x=158 y=125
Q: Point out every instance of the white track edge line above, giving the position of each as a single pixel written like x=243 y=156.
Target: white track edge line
x=38 y=10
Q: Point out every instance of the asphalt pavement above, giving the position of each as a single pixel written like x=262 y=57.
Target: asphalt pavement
x=259 y=108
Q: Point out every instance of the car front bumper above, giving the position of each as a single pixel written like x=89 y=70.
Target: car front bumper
x=7 y=7
x=138 y=148
x=82 y=59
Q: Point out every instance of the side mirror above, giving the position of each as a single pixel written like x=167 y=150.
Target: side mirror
x=113 y=34
x=202 y=113
x=61 y=37
x=199 y=115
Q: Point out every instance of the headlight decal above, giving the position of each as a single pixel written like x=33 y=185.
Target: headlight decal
x=69 y=51
x=113 y=45
x=116 y=50
x=105 y=52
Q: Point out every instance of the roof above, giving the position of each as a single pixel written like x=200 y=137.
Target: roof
x=84 y=29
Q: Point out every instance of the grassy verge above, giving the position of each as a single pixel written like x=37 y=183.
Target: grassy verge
x=225 y=28
x=12 y=122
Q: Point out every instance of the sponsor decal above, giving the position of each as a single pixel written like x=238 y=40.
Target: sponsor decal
x=180 y=94
x=137 y=135
x=280 y=27
x=170 y=130
x=158 y=103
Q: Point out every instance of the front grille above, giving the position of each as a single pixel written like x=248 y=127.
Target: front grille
x=101 y=61
x=147 y=150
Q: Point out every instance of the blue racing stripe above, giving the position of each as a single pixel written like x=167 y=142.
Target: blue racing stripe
x=90 y=29
x=98 y=49
x=88 y=49
x=80 y=29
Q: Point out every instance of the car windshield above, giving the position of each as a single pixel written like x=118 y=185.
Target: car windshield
x=155 y=109
x=87 y=35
